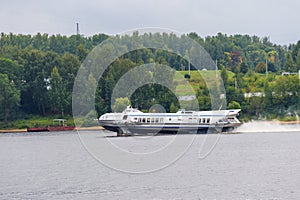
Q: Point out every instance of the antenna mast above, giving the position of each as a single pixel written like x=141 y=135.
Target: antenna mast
x=77 y=28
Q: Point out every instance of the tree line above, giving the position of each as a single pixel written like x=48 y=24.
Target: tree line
x=37 y=73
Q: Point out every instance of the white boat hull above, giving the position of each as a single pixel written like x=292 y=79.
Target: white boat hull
x=132 y=121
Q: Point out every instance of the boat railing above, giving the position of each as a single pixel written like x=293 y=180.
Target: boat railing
x=59 y=122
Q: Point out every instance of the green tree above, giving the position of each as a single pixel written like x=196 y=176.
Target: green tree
x=224 y=76
x=12 y=69
x=57 y=92
x=244 y=68
x=268 y=99
x=173 y=108
x=286 y=93
x=255 y=106
x=260 y=67
x=82 y=52
x=35 y=78
x=120 y=104
x=289 y=64
x=204 y=98
x=9 y=97
x=298 y=61
x=234 y=105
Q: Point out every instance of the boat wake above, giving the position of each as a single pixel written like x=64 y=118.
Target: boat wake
x=267 y=126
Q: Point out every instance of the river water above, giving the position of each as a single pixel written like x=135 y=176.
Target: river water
x=61 y=165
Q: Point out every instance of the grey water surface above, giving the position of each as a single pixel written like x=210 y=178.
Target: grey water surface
x=240 y=166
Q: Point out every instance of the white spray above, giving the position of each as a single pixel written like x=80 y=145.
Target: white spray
x=268 y=126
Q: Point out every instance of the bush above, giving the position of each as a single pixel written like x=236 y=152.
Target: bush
x=234 y=105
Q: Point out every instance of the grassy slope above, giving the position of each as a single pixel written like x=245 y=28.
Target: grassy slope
x=184 y=87
x=251 y=83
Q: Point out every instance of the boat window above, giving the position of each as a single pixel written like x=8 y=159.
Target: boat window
x=169 y=119
x=135 y=118
x=125 y=117
x=140 y=120
x=156 y=120
x=144 y=120
x=152 y=120
x=161 y=120
x=208 y=120
x=200 y=121
x=148 y=120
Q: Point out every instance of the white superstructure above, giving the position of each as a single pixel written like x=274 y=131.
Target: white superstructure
x=132 y=121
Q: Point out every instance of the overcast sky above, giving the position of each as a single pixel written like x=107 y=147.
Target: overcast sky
x=276 y=19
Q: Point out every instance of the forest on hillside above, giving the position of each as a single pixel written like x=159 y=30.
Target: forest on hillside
x=37 y=74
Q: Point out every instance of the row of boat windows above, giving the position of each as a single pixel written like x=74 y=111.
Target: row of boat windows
x=149 y=120
x=204 y=120
x=161 y=120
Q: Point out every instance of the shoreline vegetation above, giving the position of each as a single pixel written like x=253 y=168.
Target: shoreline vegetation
x=21 y=125
x=37 y=74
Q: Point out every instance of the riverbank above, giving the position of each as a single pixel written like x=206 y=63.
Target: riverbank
x=13 y=130
x=93 y=128
x=288 y=122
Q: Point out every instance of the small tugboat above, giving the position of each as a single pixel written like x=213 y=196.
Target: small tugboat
x=58 y=125
x=132 y=121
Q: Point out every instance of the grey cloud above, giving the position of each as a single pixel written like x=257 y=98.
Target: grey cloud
x=277 y=19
